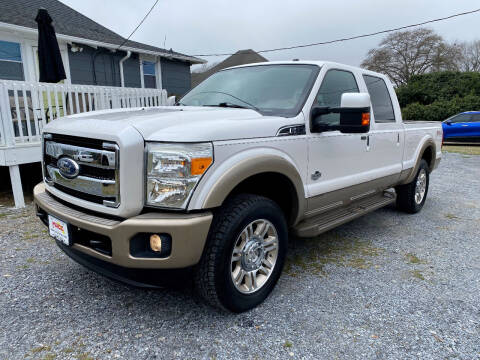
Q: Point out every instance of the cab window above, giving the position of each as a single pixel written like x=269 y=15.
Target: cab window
x=335 y=83
x=460 y=118
x=380 y=98
x=475 y=118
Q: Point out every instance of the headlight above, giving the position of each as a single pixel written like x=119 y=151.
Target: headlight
x=173 y=170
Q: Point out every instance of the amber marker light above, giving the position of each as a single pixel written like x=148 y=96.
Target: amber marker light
x=155 y=243
x=200 y=165
x=365 y=119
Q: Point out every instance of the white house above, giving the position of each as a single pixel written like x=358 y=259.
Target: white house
x=99 y=75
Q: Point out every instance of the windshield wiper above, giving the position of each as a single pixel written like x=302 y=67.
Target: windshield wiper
x=230 y=105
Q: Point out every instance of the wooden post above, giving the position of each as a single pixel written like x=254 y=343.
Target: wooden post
x=16 y=181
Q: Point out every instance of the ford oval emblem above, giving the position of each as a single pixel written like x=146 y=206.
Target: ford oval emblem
x=68 y=168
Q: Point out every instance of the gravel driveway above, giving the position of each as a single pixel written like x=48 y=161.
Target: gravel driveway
x=388 y=285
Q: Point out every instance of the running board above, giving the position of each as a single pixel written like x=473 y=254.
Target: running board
x=318 y=224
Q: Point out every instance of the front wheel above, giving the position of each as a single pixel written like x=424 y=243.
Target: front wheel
x=411 y=197
x=244 y=254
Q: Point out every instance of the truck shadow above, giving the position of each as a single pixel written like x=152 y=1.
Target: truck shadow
x=345 y=247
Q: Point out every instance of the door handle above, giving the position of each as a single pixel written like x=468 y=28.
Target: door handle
x=367 y=138
x=316 y=175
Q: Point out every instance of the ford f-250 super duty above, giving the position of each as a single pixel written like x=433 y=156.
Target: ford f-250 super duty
x=217 y=182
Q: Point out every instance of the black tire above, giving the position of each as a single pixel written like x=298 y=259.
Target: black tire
x=213 y=278
x=406 y=193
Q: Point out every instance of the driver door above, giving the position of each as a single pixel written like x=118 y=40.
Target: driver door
x=337 y=161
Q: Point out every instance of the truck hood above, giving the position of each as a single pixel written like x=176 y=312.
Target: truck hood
x=177 y=124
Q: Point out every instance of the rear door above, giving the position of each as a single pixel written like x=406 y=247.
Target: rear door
x=386 y=134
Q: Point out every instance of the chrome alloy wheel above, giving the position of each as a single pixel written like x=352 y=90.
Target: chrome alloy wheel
x=254 y=256
x=420 y=186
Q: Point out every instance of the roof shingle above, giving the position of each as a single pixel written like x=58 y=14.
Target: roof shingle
x=68 y=21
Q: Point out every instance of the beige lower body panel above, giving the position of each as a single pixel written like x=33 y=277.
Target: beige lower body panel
x=188 y=231
x=344 y=197
x=330 y=219
x=335 y=208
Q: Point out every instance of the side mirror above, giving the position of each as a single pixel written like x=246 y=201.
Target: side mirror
x=448 y=122
x=355 y=113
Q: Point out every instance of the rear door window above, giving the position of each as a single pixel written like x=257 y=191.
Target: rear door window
x=380 y=97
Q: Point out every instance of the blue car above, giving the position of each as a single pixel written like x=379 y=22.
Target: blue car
x=463 y=127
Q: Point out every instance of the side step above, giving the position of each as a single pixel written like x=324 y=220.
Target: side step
x=318 y=224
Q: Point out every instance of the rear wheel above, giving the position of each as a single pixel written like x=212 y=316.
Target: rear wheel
x=411 y=197
x=244 y=254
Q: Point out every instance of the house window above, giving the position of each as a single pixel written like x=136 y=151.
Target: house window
x=11 y=67
x=149 y=76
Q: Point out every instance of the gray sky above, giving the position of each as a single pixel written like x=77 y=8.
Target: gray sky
x=209 y=26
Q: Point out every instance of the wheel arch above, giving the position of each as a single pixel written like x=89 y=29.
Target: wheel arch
x=427 y=151
x=268 y=175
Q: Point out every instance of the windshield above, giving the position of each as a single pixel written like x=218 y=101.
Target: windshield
x=277 y=90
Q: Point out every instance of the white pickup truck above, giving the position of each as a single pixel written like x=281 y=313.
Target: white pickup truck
x=217 y=182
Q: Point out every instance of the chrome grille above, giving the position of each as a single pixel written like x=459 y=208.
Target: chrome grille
x=98 y=177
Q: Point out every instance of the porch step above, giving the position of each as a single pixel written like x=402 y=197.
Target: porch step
x=323 y=222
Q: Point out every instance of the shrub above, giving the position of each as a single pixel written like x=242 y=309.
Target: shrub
x=437 y=96
x=441 y=109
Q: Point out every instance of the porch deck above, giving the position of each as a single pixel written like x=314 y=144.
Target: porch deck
x=25 y=108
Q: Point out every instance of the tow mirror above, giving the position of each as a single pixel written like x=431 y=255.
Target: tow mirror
x=354 y=114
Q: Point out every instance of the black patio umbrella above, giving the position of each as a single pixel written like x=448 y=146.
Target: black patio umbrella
x=49 y=59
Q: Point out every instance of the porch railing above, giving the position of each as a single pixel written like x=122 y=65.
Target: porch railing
x=26 y=107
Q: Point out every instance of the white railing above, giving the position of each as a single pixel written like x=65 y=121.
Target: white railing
x=25 y=107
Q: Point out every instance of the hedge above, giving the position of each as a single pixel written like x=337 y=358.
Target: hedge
x=437 y=96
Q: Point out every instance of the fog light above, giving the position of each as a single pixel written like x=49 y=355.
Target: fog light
x=156 y=243
x=148 y=245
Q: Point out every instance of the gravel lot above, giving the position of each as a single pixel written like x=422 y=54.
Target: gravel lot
x=388 y=285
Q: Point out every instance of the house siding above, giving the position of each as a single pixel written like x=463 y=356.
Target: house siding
x=176 y=77
x=107 y=68
x=131 y=72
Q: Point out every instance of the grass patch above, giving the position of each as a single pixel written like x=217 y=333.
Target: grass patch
x=417 y=274
x=451 y=216
x=50 y=356
x=287 y=344
x=40 y=349
x=84 y=356
x=312 y=255
x=413 y=259
x=459 y=149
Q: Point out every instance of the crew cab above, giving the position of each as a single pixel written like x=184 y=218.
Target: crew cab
x=219 y=181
